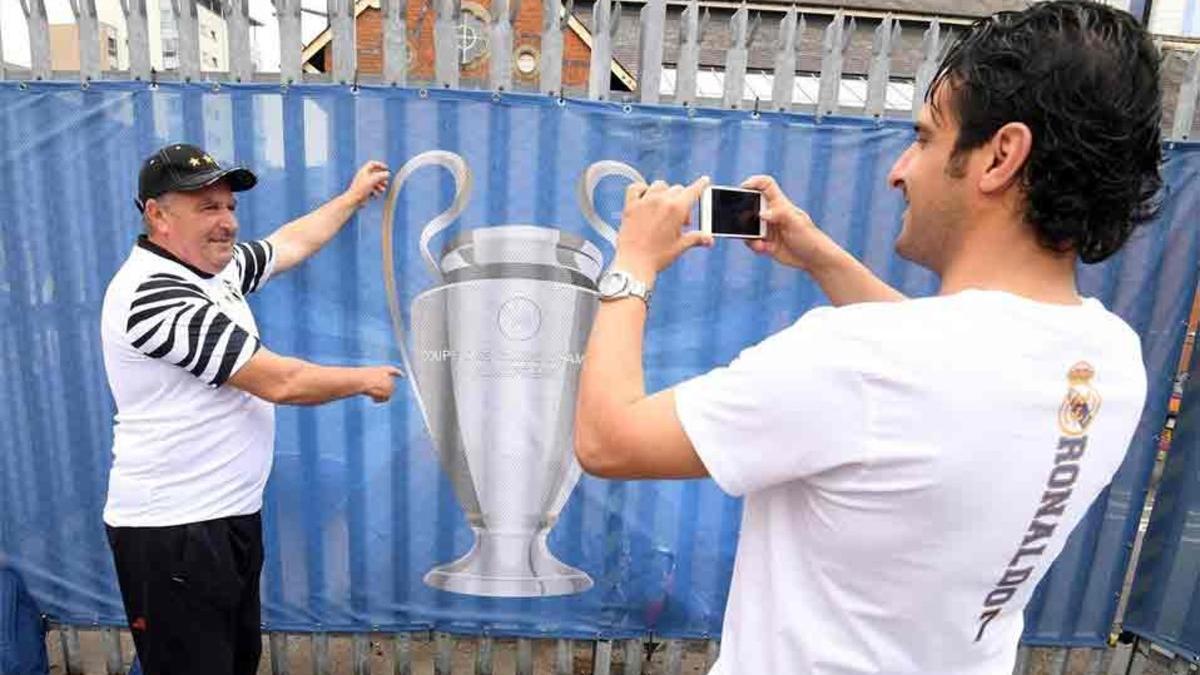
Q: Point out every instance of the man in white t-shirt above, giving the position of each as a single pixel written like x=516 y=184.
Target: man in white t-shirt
x=195 y=424
x=911 y=468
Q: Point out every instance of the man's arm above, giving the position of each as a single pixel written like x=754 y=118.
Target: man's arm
x=283 y=379
x=619 y=431
x=793 y=239
x=294 y=242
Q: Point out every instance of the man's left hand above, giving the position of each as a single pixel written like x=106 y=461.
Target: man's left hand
x=651 y=237
x=370 y=181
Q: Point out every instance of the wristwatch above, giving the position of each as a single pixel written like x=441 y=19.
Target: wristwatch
x=617 y=284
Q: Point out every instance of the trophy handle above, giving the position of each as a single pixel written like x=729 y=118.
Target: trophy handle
x=587 y=189
x=463 y=182
x=462 y=191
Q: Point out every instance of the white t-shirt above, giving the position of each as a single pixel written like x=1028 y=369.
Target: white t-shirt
x=185 y=448
x=910 y=471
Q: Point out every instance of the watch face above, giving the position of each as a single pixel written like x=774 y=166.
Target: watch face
x=612 y=283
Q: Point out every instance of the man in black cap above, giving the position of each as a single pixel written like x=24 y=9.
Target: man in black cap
x=195 y=423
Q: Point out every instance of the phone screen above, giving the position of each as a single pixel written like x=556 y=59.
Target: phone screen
x=735 y=212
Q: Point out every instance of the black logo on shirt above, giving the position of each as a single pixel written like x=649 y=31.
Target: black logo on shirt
x=1075 y=415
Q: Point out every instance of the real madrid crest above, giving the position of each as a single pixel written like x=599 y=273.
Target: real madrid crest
x=1082 y=402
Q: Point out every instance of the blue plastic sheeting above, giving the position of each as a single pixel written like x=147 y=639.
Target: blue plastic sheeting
x=22 y=634
x=357 y=508
x=1163 y=601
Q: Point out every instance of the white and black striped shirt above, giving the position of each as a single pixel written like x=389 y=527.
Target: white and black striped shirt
x=185 y=448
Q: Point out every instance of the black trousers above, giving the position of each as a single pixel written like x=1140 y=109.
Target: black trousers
x=191 y=594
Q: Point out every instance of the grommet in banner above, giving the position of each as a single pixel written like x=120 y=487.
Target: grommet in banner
x=561 y=100
x=423 y=93
x=23 y=86
x=216 y=87
x=495 y=97
x=691 y=112
x=626 y=108
x=86 y=83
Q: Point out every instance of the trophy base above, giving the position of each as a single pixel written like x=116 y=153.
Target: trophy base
x=509 y=566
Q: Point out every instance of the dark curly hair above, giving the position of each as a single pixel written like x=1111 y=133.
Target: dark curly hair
x=1085 y=79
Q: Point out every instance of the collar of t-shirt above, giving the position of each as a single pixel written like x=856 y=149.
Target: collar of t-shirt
x=144 y=242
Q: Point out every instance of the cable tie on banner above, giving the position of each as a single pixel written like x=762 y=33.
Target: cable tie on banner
x=754 y=113
x=153 y=78
x=354 y=83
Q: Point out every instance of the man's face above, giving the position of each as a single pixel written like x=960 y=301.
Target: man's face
x=933 y=187
x=197 y=226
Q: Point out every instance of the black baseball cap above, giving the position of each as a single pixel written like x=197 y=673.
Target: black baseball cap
x=180 y=167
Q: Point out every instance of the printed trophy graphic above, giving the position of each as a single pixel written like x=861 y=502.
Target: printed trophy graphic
x=494 y=360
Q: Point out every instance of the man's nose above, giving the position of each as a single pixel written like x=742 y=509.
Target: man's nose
x=895 y=177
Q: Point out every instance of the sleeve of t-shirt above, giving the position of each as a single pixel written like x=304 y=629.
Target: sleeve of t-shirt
x=254 y=261
x=172 y=319
x=787 y=409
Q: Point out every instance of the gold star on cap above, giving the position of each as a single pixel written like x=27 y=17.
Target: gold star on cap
x=209 y=159
x=195 y=161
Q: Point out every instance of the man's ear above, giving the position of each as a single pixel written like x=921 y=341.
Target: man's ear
x=1010 y=147
x=154 y=216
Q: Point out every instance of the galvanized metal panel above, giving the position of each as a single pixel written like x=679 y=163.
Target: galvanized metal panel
x=402 y=654
x=691 y=32
x=321 y=663
x=782 y=86
x=39 y=38
x=602 y=657
x=137 y=29
x=524 y=656
x=930 y=50
x=237 y=20
x=277 y=644
x=345 y=48
x=395 y=42
x=742 y=30
x=887 y=33
x=674 y=664
x=550 y=65
x=188 y=22
x=563 y=657
x=443 y=657
x=1185 y=106
x=113 y=662
x=635 y=654
x=606 y=18
x=500 y=76
x=653 y=21
x=290 y=42
x=445 y=44
x=485 y=656
x=72 y=652
x=833 y=51
x=360 y=644
x=88 y=27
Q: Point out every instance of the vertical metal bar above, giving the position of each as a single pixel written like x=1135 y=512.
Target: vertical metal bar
x=113 y=664
x=634 y=654
x=395 y=42
x=711 y=651
x=278 y=643
x=485 y=659
x=500 y=74
x=1022 y=665
x=1099 y=661
x=833 y=51
x=605 y=20
x=88 y=27
x=690 y=29
x=361 y=644
x=1137 y=661
x=290 y=42
x=237 y=17
x=887 y=33
x=137 y=28
x=602 y=657
x=930 y=47
x=187 y=22
x=785 y=62
x=674 y=657
x=443 y=657
x=72 y=653
x=402 y=654
x=562 y=657
x=554 y=22
x=524 y=656
x=320 y=654
x=1180 y=665
x=3 y=69
x=445 y=45
x=345 y=50
x=736 y=58
x=653 y=23
x=1058 y=666
x=1185 y=107
x=39 y=38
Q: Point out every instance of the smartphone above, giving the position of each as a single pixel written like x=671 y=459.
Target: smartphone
x=732 y=212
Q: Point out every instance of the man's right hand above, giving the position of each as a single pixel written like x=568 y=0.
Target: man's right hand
x=379 y=382
x=792 y=237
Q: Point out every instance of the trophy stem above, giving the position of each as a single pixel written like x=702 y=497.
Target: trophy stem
x=509 y=564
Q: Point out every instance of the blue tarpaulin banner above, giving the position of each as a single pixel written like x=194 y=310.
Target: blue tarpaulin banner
x=359 y=509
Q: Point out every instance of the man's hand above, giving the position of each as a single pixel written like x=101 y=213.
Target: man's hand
x=380 y=382
x=792 y=237
x=651 y=235
x=370 y=181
